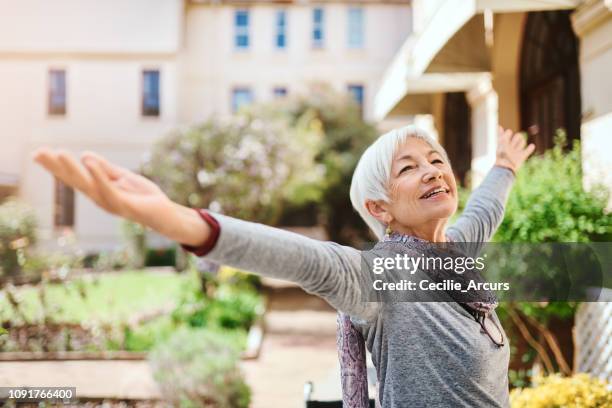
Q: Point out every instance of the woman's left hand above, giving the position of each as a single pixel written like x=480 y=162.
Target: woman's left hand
x=511 y=150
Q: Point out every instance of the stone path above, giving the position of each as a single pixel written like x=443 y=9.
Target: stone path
x=93 y=379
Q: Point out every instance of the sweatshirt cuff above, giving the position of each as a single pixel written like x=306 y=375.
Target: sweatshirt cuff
x=507 y=168
x=210 y=243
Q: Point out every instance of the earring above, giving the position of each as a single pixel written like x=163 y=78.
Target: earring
x=388 y=231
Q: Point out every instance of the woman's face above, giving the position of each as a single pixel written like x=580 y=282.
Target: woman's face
x=417 y=172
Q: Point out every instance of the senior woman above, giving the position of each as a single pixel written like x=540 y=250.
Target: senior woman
x=432 y=354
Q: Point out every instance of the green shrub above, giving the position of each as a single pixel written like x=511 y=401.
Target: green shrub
x=548 y=202
x=229 y=306
x=17 y=234
x=554 y=391
x=199 y=368
x=160 y=256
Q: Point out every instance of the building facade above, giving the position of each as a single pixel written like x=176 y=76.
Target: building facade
x=114 y=76
x=535 y=66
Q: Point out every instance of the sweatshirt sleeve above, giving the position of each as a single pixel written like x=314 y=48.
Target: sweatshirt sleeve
x=326 y=269
x=485 y=208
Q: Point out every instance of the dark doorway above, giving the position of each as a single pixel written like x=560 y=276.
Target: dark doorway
x=550 y=78
x=457 y=134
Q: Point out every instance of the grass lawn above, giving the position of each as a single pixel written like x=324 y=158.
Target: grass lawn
x=111 y=297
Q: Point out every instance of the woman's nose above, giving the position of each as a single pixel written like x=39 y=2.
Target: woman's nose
x=432 y=172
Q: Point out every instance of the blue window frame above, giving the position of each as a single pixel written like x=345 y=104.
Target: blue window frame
x=150 y=93
x=57 y=92
x=357 y=92
x=280 y=92
x=281 y=29
x=241 y=29
x=318 y=27
x=241 y=97
x=355 y=27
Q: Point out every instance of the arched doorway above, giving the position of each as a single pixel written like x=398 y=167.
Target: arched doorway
x=457 y=134
x=549 y=78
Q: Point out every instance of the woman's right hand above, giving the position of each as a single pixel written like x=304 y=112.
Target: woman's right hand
x=124 y=193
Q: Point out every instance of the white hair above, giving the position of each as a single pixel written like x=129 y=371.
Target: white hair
x=373 y=172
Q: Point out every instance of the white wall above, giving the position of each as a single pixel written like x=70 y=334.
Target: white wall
x=211 y=67
x=103 y=47
x=90 y=26
x=103 y=114
x=596 y=131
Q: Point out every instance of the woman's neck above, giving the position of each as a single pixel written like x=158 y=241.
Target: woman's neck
x=434 y=231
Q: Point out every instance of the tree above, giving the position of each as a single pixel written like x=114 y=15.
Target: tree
x=346 y=136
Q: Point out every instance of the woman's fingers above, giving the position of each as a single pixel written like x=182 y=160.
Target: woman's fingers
x=112 y=170
x=48 y=159
x=528 y=151
x=78 y=176
x=518 y=141
x=109 y=196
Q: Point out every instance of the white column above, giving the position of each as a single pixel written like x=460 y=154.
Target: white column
x=427 y=123
x=483 y=102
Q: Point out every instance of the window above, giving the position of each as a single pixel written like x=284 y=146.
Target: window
x=356 y=92
x=281 y=29
x=318 y=22
x=150 y=93
x=355 y=27
x=241 y=97
x=241 y=29
x=64 y=205
x=280 y=92
x=57 y=92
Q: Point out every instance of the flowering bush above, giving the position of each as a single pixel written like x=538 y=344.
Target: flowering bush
x=199 y=368
x=243 y=167
x=580 y=391
x=17 y=234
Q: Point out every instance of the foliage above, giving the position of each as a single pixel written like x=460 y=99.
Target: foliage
x=17 y=234
x=548 y=202
x=199 y=368
x=346 y=136
x=231 y=305
x=135 y=237
x=105 y=298
x=111 y=260
x=553 y=391
x=243 y=167
x=130 y=311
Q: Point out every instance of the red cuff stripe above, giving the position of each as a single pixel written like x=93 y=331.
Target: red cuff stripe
x=210 y=243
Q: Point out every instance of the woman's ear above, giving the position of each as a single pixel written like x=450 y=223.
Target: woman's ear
x=378 y=210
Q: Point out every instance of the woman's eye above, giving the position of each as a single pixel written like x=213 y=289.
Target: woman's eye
x=406 y=168
x=438 y=161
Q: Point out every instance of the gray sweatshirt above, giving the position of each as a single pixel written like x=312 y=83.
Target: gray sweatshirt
x=426 y=354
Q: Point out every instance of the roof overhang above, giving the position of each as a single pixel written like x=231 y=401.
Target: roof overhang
x=449 y=29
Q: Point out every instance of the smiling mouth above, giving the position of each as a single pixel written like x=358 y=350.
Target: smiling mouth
x=435 y=193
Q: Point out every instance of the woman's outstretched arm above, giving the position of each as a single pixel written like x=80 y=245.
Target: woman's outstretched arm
x=326 y=269
x=484 y=210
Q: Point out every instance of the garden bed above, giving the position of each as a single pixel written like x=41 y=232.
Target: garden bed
x=253 y=346
x=121 y=316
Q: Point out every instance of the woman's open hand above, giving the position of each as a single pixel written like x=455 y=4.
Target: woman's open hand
x=122 y=192
x=512 y=150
